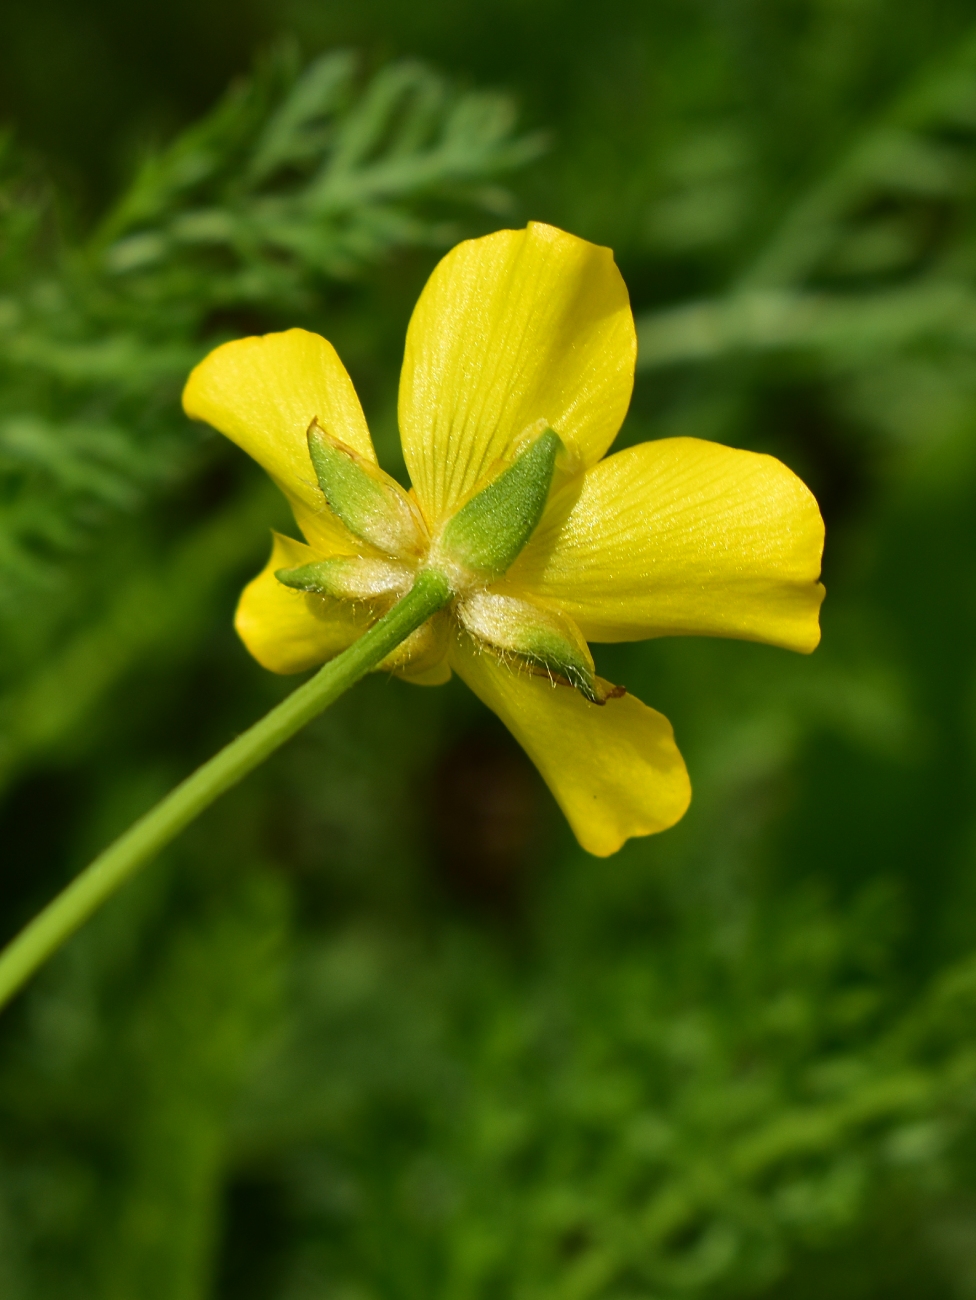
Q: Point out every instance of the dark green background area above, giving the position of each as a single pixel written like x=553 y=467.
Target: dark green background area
x=376 y=1027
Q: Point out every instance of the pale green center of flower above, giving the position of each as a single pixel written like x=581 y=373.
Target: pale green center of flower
x=472 y=549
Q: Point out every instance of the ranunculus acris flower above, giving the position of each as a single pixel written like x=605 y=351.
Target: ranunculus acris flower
x=517 y=376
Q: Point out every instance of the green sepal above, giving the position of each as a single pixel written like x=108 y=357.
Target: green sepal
x=372 y=505
x=544 y=640
x=348 y=578
x=559 y=660
x=488 y=532
x=557 y=657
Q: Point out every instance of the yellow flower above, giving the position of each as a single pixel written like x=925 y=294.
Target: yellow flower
x=515 y=334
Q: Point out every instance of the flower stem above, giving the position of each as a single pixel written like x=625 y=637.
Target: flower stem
x=145 y=838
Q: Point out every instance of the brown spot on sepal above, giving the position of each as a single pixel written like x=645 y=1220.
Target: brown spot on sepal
x=602 y=689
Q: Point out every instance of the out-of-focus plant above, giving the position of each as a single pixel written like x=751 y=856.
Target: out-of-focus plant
x=868 y=278
x=739 y=1062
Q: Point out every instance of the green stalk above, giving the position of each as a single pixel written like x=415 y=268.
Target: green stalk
x=151 y=833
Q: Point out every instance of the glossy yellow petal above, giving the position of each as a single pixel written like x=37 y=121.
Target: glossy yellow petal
x=422 y=658
x=520 y=327
x=614 y=768
x=682 y=537
x=288 y=631
x=263 y=393
x=436 y=675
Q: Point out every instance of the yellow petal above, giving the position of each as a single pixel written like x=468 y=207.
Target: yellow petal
x=682 y=537
x=263 y=393
x=288 y=631
x=426 y=662
x=422 y=657
x=520 y=327
x=614 y=768
x=436 y=675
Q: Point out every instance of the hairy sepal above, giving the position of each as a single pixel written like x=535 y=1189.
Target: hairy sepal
x=371 y=504
x=489 y=531
x=349 y=578
x=540 y=638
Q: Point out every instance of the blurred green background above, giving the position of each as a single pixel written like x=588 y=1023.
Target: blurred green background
x=376 y=1027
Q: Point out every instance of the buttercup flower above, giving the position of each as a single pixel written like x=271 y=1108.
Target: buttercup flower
x=517 y=375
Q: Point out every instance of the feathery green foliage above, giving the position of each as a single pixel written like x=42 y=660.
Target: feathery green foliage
x=296 y=180
x=376 y=1028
